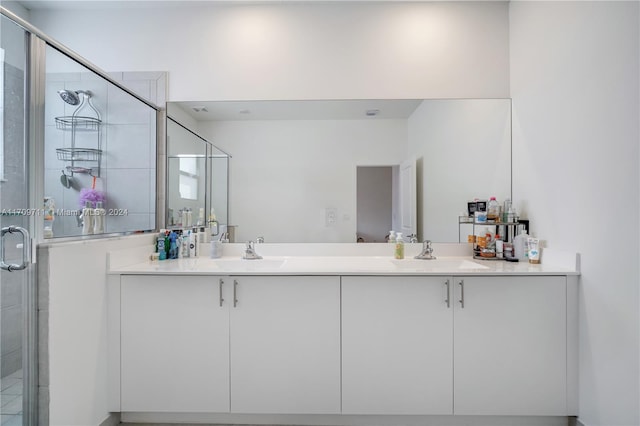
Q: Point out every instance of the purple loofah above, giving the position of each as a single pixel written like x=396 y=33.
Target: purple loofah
x=88 y=194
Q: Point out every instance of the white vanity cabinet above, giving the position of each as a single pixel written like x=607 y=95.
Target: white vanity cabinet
x=468 y=345
x=510 y=345
x=397 y=345
x=174 y=344
x=493 y=345
x=250 y=344
x=285 y=345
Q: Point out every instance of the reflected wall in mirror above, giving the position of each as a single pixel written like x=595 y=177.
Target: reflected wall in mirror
x=294 y=173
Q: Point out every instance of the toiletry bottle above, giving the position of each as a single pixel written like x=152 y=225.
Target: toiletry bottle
x=188 y=217
x=49 y=216
x=186 y=241
x=392 y=237
x=178 y=243
x=399 y=253
x=193 y=243
x=98 y=218
x=505 y=210
x=162 y=255
x=534 y=250
x=520 y=244
x=493 y=209
x=499 y=247
x=87 y=218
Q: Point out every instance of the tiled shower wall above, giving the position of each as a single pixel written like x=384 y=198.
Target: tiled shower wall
x=128 y=163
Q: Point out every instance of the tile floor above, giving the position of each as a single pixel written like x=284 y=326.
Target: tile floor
x=11 y=399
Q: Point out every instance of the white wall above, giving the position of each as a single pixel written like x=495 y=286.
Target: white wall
x=309 y=50
x=574 y=83
x=463 y=151
x=77 y=319
x=284 y=174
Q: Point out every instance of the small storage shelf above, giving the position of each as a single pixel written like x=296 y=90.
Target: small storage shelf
x=509 y=230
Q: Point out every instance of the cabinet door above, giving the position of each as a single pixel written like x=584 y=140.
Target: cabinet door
x=285 y=345
x=397 y=345
x=175 y=344
x=510 y=346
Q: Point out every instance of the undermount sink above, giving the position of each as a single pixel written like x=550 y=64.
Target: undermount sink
x=445 y=265
x=248 y=264
x=338 y=263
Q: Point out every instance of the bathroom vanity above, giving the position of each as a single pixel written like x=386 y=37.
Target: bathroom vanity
x=341 y=335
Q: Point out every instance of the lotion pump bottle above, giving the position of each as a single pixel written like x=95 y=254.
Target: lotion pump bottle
x=87 y=218
x=399 y=253
x=392 y=237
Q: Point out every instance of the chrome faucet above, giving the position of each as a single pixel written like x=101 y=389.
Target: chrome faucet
x=250 y=252
x=260 y=240
x=427 y=251
x=413 y=238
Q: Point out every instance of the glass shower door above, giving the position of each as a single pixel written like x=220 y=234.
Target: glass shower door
x=16 y=271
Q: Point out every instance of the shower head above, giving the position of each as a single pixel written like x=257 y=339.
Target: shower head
x=69 y=96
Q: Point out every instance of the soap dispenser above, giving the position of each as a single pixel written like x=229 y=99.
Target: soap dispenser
x=399 y=252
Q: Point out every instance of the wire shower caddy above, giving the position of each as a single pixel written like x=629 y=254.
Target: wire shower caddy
x=81 y=123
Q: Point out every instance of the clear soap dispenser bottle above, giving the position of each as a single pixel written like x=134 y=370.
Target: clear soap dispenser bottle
x=399 y=253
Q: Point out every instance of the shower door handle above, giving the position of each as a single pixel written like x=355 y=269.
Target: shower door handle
x=26 y=249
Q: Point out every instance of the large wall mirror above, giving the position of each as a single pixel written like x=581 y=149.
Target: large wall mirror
x=299 y=167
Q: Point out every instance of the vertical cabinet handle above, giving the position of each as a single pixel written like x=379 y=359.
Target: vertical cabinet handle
x=235 y=293
x=461 y=284
x=447 y=300
x=220 y=289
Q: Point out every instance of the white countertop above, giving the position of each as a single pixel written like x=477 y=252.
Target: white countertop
x=340 y=265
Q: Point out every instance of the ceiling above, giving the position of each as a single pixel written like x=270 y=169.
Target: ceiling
x=299 y=110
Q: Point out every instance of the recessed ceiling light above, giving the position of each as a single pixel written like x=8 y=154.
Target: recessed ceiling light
x=372 y=112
